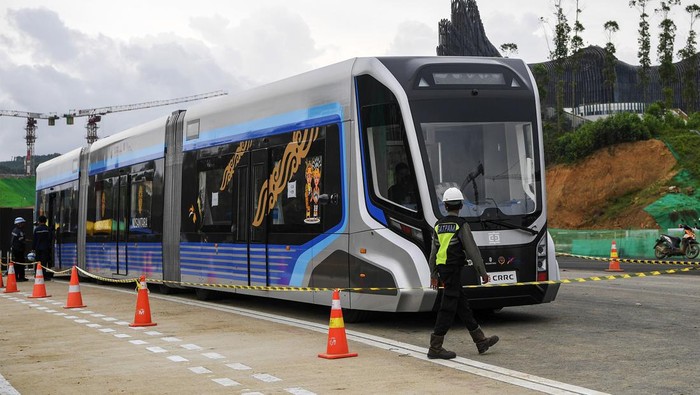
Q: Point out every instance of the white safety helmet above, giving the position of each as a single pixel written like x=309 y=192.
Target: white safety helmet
x=19 y=220
x=31 y=257
x=453 y=195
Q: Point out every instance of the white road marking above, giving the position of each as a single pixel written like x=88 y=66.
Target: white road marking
x=226 y=382
x=213 y=355
x=121 y=335
x=191 y=347
x=171 y=339
x=156 y=349
x=238 y=366
x=199 y=370
x=299 y=391
x=268 y=378
x=153 y=333
x=177 y=358
x=138 y=342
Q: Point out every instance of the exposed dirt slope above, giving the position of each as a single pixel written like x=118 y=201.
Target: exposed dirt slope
x=578 y=195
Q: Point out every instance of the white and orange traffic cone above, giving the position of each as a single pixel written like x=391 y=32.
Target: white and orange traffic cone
x=614 y=262
x=11 y=279
x=142 y=317
x=39 y=290
x=337 y=341
x=75 y=300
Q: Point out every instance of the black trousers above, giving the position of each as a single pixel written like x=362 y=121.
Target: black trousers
x=17 y=257
x=454 y=301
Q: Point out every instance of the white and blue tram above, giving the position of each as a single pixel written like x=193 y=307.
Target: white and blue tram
x=329 y=179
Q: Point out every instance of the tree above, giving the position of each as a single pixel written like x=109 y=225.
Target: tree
x=609 y=75
x=542 y=79
x=561 y=51
x=576 y=47
x=509 y=49
x=644 y=41
x=667 y=73
x=689 y=55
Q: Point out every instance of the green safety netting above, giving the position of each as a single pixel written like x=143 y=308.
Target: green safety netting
x=676 y=208
x=598 y=243
x=17 y=192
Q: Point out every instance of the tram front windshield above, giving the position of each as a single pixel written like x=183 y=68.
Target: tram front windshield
x=492 y=163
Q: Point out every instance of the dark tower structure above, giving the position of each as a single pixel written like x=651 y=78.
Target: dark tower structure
x=464 y=34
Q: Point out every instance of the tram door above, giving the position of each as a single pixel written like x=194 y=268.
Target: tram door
x=257 y=236
x=121 y=224
x=53 y=218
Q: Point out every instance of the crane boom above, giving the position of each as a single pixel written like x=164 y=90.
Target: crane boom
x=138 y=106
x=27 y=114
x=94 y=116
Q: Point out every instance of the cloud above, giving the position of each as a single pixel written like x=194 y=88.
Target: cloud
x=267 y=45
x=524 y=30
x=64 y=70
x=413 y=38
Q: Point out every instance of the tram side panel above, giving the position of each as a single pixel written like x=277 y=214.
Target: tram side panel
x=57 y=191
x=124 y=218
x=252 y=216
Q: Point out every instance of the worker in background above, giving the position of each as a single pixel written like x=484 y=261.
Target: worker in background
x=453 y=247
x=41 y=245
x=17 y=248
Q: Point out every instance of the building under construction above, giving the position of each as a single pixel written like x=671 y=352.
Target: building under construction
x=464 y=35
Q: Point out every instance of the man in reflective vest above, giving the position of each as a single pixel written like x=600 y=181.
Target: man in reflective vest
x=453 y=245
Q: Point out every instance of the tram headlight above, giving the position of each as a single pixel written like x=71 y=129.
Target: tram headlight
x=542 y=255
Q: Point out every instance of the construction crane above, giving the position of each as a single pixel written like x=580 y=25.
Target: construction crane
x=31 y=132
x=95 y=114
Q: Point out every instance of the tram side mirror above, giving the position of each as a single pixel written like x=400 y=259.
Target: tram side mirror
x=323 y=199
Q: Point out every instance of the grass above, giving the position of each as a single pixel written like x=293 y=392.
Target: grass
x=17 y=192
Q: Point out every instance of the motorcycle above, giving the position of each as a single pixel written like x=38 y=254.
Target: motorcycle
x=670 y=246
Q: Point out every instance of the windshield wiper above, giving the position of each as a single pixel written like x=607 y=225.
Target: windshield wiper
x=510 y=226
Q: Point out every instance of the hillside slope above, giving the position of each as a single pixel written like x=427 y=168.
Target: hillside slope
x=611 y=188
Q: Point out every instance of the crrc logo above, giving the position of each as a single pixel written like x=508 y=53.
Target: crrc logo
x=494 y=238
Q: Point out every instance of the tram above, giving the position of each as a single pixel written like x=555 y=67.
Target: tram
x=329 y=179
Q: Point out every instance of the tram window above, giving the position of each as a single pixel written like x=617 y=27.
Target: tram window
x=297 y=208
x=391 y=168
x=141 y=200
x=214 y=203
x=103 y=213
x=69 y=214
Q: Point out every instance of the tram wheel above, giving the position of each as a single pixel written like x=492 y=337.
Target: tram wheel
x=205 y=294
x=167 y=290
x=355 y=316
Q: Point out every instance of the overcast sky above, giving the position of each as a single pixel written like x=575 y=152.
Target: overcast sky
x=59 y=55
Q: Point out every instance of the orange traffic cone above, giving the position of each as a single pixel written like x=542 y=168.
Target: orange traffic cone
x=75 y=300
x=11 y=280
x=39 y=290
x=614 y=262
x=337 y=342
x=142 y=317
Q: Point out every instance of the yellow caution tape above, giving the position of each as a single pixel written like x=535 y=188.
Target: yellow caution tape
x=696 y=266
x=645 y=261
